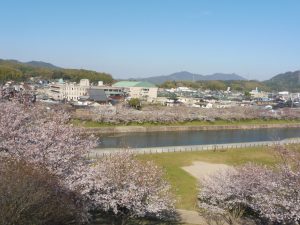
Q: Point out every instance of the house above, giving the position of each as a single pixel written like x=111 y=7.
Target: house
x=138 y=89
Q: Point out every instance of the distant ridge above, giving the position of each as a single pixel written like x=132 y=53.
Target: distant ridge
x=42 y=64
x=289 y=81
x=187 y=76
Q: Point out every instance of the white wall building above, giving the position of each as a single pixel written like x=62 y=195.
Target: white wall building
x=68 y=91
x=72 y=91
x=139 y=89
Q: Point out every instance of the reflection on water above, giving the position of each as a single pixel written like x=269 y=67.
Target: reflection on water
x=180 y=138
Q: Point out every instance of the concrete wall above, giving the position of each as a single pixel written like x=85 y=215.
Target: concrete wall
x=126 y=129
x=99 y=152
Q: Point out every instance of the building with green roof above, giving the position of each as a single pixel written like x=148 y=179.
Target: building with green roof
x=143 y=90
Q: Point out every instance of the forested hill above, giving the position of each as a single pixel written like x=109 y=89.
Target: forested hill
x=289 y=81
x=19 y=71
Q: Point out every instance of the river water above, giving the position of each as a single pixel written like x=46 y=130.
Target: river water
x=181 y=138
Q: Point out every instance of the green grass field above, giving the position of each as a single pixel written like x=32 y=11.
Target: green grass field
x=185 y=186
x=93 y=124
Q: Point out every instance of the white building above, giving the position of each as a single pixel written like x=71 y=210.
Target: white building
x=55 y=90
x=72 y=91
x=68 y=91
x=259 y=94
x=139 y=89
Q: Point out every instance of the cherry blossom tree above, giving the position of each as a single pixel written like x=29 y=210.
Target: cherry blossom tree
x=43 y=136
x=272 y=194
x=24 y=95
x=162 y=114
x=128 y=188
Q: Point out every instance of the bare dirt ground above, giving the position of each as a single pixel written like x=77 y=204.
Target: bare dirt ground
x=191 y=217
x=199 y=170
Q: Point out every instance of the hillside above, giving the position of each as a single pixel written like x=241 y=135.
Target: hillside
x=19 y=71
x=41 y=64
x=289 y=81
x=187 y=76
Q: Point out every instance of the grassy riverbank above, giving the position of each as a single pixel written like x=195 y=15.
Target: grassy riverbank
x=185 y=186
x=94 y=124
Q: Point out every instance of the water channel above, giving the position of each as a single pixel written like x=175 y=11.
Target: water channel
x=202 y=137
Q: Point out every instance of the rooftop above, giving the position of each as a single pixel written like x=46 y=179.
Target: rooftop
x=97 y=95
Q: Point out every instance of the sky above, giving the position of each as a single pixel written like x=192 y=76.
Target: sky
x=139 y=38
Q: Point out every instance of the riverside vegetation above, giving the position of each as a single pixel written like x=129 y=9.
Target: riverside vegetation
x=162 y=115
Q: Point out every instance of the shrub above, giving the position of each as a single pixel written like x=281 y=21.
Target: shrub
x=135 y=103
x=31 y=195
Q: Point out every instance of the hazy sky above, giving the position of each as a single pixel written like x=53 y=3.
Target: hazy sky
x=137 y=38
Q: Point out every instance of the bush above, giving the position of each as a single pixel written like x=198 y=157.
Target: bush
x=135 y=103
x=30 y=195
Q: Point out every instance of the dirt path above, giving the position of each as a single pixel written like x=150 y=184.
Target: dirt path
x=199 y=170
x=191 y=217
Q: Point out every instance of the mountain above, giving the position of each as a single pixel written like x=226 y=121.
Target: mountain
x=289 y=81
x=41 y=64
x=20 y=71
x=224 y=76
x=187 y=76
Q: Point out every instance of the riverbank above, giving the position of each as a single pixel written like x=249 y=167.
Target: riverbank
x=98 y=152
x=98 y=128
x=185 y=186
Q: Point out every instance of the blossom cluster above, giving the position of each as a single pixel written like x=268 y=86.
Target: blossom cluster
x=273 y=194
x=130 y=187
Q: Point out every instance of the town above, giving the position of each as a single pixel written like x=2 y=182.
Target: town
x=86 y=95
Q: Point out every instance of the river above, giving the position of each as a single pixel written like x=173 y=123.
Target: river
x=202 y=137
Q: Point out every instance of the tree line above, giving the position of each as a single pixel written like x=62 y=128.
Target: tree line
x=218 y=85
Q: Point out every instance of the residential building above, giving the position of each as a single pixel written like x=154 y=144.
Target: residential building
x=55 y=90
x=258 y=94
